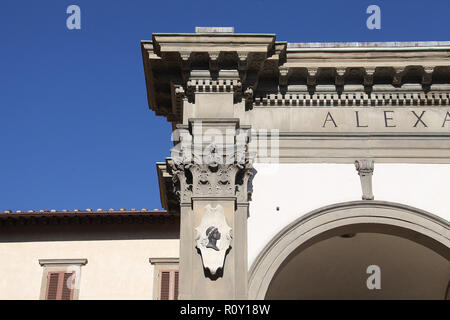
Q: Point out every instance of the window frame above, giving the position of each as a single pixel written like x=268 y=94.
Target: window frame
x=164 y=265
x=61 y=266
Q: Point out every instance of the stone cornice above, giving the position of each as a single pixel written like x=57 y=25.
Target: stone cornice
x=170 y=59
x=188 y=43
x=178 y=65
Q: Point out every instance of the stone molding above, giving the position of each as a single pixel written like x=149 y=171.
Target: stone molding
x=418 y=98
x=164 y=260
x=382 y=147
x=202 y=81
x=57 y=262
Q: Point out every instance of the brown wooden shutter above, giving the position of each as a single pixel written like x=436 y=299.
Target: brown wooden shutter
x=164 y=285
x=52 y=285
x=57 y=288
x=67 y=292
x=175 y=287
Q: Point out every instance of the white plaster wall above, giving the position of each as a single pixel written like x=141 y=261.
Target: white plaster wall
x=424 y=186
x=117 y=269
x=298 y=189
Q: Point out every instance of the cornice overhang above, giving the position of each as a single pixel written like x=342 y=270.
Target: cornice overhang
x=212 y=43
x=88 y=216
x=281 y=71
x=169 y=199
x=169 y=59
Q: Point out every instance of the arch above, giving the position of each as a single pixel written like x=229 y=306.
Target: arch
x=368 y=216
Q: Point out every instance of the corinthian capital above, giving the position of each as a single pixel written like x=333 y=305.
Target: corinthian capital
x=214 y=170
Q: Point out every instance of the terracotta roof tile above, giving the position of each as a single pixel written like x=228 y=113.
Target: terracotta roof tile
x=88 y=210
x=53 y=216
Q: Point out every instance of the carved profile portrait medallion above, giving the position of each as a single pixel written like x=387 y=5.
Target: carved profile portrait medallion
x=213 y=238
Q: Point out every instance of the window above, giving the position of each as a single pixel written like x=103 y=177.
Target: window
x=61 y=278
x=165 y=280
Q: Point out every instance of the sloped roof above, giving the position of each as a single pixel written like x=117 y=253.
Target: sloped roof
x=86 y=216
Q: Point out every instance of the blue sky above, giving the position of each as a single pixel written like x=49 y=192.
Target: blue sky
x=76 y=131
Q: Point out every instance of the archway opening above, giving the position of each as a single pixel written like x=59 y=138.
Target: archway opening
x=332 y=252
x=357 y=263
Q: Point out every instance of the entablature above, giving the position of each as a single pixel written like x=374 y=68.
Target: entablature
x=262 y=71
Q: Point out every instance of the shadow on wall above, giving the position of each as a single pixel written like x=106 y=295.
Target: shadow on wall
x=86 y=232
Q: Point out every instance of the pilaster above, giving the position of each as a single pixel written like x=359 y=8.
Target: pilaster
x=211 y=168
